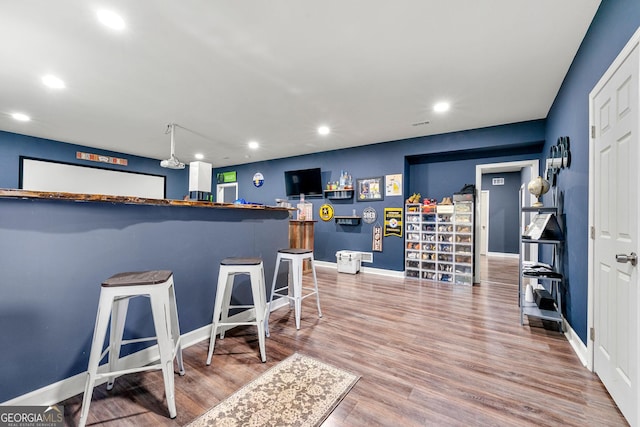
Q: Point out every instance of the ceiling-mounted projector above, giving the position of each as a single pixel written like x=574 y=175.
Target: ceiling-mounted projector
x=172 y=162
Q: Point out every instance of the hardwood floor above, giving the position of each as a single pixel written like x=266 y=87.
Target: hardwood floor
x=427 y=353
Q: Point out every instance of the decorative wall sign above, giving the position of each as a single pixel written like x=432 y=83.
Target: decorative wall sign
x=103 y=159
x=393 y=185
x=369 y=215
x=369 y=189
x=326 y=212
x=226 y=177
x=258 y=179
x=393 y=222
x=376 y=245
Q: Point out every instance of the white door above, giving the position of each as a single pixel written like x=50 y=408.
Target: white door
x=484 y=222
x=614 y=115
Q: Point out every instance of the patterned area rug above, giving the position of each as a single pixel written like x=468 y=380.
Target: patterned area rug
x=299 y=391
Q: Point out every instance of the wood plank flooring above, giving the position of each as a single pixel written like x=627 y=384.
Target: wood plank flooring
x=428 y=354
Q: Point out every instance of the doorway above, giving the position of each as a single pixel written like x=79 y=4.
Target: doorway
x=526 y=167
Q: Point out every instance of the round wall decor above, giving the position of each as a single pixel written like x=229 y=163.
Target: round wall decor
x=258 y=179
x=326 y=212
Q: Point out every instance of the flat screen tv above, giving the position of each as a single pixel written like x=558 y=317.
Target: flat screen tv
x=303 y=181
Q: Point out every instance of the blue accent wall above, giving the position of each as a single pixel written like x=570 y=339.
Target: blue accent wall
x=55 y=254
x=12 y=146
x=504 y=212
x=613 y=25
x=435 y=166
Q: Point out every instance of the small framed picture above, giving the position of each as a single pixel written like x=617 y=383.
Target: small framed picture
x=370 y=189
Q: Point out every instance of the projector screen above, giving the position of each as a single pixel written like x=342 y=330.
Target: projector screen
x=44 y=175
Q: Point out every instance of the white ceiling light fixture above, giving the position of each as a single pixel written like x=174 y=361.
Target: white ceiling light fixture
x=21 y=117
x=172 y=162
x=254 y=145
x=199 y=156
x=110 y=19
x=324 y=130
x=441 y=107
x=53 y=82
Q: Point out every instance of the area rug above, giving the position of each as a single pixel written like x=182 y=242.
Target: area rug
x=299 y=391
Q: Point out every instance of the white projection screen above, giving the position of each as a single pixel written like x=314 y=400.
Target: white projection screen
x=43 y=175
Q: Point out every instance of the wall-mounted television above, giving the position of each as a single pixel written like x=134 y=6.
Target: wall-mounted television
x=303 y=181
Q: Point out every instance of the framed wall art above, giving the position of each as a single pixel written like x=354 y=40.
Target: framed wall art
x=370 y=189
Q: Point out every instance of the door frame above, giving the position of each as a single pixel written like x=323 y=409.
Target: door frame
x=484 y=244
x=633 y=42
x=516 y=166
x=220 y=191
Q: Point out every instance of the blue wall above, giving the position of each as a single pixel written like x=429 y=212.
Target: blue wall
x=435 y=166
x=504 y=212
x=12 y=146
x=54 y=255
x=613 y=25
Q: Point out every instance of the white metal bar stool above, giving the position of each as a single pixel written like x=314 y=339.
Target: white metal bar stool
x=115 y=294
x=294 y=287
x=229 y=268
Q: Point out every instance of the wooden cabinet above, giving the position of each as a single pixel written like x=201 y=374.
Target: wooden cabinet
x=301 y=237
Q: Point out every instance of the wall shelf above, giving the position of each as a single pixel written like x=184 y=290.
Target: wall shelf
x=338 y=194
x=347 y=220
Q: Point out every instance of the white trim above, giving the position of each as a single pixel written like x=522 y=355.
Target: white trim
x=503 y=255
x=576 y=343
x=369 y=270
x=534 y=164
x=69 y=387
x=484 y=243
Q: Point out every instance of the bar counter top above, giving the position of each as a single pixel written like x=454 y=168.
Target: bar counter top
x=76 y=197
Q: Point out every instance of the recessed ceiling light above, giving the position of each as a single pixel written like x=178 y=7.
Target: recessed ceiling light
x=199 y=156
x=111 y=19
x=441 y=107
x=254 y=145
x=53 y=82
x=324 y=130
x=21 y=117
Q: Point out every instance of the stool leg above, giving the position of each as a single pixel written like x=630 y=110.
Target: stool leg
x=291 y=278
x=226 y=303
x=273 y=288
x=259 y=303
x=296 y=270
x=99 y=333
x=217 y=307
x=160 y=310
x=118 y=317
x=175 y=328
x=315 y=285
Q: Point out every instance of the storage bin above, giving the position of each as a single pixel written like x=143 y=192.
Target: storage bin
x=348 y=261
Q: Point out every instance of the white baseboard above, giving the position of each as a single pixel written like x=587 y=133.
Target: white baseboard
x=576 y=343
x=69 y=387
x=369 y=270
x=503 y=255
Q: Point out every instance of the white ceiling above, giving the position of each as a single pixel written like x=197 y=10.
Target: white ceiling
x=231 y=71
